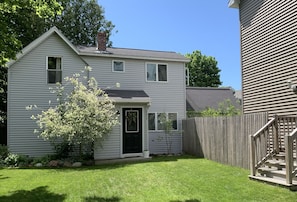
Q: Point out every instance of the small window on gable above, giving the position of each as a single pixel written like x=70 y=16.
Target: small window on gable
x=54 y=70
x=118 y=66
x=156 y=72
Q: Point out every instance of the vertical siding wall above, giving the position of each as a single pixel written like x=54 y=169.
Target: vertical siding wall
x=269 y=55
x=222 y=139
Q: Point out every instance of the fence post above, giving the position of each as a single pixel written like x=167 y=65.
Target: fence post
x=275 y=134
x=252 y=155
x=289 y=158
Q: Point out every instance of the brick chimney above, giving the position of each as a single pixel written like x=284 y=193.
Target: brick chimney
x=101 y=41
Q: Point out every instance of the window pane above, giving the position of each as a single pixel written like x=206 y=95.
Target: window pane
x=132 y=121
x=54 y=63
x=173 y=118
x=118 y=66
x=151 y=121
x=54 y=76
x=161 y=119
x=162 y=72
x=151 y=72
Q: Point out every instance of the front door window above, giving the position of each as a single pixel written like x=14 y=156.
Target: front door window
x=132 y=119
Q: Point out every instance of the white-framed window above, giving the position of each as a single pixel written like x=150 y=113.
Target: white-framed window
x=152 y=121
x=118 y=66
x=187 y=72
x=156 y=72
x=155 y=120
x=54 y=69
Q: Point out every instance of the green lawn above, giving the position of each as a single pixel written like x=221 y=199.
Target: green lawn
x=176 y=179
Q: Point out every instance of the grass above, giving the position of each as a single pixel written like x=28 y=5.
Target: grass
x=172 y=179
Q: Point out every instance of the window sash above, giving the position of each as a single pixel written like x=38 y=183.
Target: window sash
x=54 y=70
x=151 y=74
x=118 y=66
x=156 y=72
x=162 y=72
x=154 y=120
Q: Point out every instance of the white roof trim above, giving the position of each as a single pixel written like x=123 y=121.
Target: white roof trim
x=39 y=40
x=134 y=57
x=119 y=100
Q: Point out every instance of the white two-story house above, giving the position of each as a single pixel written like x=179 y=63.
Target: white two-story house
x=151 y=83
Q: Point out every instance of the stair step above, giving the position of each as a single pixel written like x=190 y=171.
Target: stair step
x=272 y=172
x=281 y=182
x=276 y=163
x=282 y=156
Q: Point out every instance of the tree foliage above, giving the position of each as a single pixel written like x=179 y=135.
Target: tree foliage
x=83 y=116
x=16 y=22
x=22 y=21
x=203 y=70
x=225 y=108
x=3 y=95
x=81 y=20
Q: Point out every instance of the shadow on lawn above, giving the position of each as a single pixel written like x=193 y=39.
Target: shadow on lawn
x=190 y=200
x=101 y=199
x=37 y=194
x=3 y=177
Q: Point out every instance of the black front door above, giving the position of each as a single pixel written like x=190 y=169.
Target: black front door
x=132 y=130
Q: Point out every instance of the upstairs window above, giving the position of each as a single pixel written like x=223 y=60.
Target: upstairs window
x=156 y=72
x=54 y=70
x=118 y=66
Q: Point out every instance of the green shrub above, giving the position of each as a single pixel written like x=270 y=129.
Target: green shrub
x=63 y=150
x=12 y=160
x=3 y=152
x=44 y=160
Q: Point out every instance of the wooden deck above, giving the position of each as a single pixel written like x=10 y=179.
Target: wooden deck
x=276 y=181
x=273 y=152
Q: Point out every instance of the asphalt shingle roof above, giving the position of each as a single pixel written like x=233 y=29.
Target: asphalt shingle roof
x=133 y=53
x=199 y=98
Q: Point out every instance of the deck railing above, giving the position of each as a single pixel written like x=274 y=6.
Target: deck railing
x=272 y=138
x=259 y=149
x=291 y=148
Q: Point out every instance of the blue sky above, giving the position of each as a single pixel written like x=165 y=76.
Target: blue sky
x=181 y=26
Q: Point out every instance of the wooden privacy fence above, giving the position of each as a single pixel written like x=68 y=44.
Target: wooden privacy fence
x=222 y=139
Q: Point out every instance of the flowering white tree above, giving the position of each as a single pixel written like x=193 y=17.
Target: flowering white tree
x=82 y=117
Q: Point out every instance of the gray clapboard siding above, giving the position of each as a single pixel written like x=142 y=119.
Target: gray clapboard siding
x=157 y=143
x=165 y=97
x=27 y=85
x=269 y=54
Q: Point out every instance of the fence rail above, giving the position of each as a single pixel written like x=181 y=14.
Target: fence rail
x=222 y=139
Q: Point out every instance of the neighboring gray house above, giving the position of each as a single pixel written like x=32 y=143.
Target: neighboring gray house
x=268 y=55
x=201 y=98
x=269 y=78
x=151 y=82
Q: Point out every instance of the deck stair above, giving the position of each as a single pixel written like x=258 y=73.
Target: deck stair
x=273 y=153
x=273 y=171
